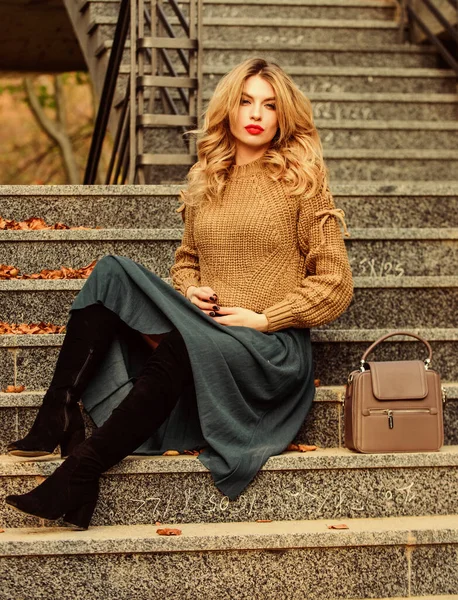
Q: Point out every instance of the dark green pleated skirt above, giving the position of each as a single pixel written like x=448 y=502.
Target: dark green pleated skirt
x=251 y=391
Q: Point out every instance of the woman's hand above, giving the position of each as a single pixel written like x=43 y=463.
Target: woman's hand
x=203 y=297
x=243 y=317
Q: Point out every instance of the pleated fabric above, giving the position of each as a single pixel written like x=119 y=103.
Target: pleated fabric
x=251 y=392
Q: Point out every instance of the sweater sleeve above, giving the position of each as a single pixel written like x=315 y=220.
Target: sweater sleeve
x=327 y=288
x=185 y=270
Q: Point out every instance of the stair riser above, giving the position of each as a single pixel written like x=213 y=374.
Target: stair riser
x=161 y=140
x=323 y=427
x=142 y=498
x=33 y=366
x=321 y=58
x=345 y=108
x=409 y=257
x=250 y=11
x=361 y=84
x=220 y=57
x=129 y=211
x=391 y=169
x=208 y=575
x=289 y=35
x=372 y=308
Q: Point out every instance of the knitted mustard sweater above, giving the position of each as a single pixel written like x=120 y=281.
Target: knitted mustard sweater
x=262 y=249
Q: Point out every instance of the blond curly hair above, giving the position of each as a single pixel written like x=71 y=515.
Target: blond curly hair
x=295 y=155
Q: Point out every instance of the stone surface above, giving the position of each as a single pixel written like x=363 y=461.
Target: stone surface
x=372 y=557
x=192 y=575
x=392 y=302
x=362 y=80
x=434 y=570
x=336 y=353
x=325 y=484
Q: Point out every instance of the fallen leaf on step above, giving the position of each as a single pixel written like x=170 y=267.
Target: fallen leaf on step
x=2 y=531
x=263 y=520
x=158 y=523
x=11 y=272
x=301 y=448
x=34 y=224
x=192 y=452
x=317 y=382
x=171 y=453
x=14 y=389
x=340 y=526
x=168 y=531
x=30 y=328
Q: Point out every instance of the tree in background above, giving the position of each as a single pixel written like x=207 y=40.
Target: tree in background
x=46 y=124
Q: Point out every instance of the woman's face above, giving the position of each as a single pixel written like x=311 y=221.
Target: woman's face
x=256 y=123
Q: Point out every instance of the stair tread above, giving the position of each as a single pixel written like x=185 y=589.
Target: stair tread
x=341 y=70
x=432 y=334
x=345 y=188
x=298 y=47
x=175 y=234
x=274 y=22
x=114 y=539
x=325 y=393
x=406 y=281
x=320 y=459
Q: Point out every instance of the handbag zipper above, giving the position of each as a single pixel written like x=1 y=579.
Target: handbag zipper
x=390 y=412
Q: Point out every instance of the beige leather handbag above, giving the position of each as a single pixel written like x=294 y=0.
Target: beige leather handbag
x=394 y=406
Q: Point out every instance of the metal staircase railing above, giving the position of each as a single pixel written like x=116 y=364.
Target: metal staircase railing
x=160 y=61
x=412 y=16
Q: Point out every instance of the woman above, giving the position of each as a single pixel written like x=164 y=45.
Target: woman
x=262 y=259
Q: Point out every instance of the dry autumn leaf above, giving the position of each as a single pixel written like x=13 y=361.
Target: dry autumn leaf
x=168 y=531
x=301 y=448
x=340 y=526
x=2 y=531
x=263 y=520
x=192 y=452
x=317 y=382
x=171 y=453
x=11 y=272
x=14 y=389
x=30 y=328
x=33 y=224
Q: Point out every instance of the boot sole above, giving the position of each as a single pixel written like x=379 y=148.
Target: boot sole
x=30 y=453
x=67 y=524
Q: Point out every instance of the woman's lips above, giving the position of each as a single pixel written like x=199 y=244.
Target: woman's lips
x=254 y=129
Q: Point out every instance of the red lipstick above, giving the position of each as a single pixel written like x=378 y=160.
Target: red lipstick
x=254 y=129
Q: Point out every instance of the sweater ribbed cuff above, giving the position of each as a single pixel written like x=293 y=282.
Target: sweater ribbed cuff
x=279 y=316
x=187 y=283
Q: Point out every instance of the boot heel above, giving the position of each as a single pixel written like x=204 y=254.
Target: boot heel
x=70 y=440
x=80 y=517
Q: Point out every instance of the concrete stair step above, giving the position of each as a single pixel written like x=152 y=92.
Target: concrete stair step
x=343 y=134
x=228 y=53
x=30 y=359
x=340 y=9
x=394 y=301
x=323 y=427
x=381 y=106
x=328 y=483
x=281 y=30
x=416 y=251
x=366 y=204
x=407 y=556
x=358 y=79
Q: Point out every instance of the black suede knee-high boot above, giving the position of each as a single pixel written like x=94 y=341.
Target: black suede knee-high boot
x=72 y=490
x=90 y=332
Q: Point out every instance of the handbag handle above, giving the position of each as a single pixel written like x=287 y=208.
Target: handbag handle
x=388 y=335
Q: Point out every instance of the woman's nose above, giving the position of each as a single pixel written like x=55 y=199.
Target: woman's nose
x=255 y=113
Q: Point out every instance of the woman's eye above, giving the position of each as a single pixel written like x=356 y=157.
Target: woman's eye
x=271 y=106
x=244 y=101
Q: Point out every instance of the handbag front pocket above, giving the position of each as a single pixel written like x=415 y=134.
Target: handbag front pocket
x=400 y=430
